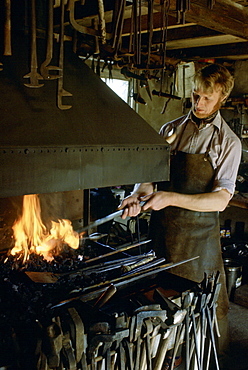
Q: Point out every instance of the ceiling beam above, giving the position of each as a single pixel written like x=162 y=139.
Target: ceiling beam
x=190 y=36
x=226 y=16
x=233 y=50
x=185 y=33
x=157 y=23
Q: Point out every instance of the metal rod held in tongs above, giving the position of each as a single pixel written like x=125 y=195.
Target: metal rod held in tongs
x=103 y=220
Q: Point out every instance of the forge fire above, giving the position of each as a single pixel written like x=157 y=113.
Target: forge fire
x=32 y=236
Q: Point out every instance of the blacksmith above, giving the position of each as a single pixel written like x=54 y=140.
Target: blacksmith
x=205 y=156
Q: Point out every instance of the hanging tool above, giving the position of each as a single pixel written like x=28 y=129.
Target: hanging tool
x=61 y=92
x=7 y=29
x=165 y=95
x=127 y=73
x=45 y=68
x=139 y=34
x=135 y=31
x=164 y=13
x=75 y=24
x=97 y=49
x=33 y=75
x=136 y=95
x=181 y=7
x=118 y=26
x=184 y=89
x=211 y=4
x=130 y=45
x=145 y=84
x=138 y=99
x=172 y=89
x=102 y=25
x=179 y=10
x=150 y=30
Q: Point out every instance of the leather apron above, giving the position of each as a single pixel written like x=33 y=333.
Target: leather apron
x=179 y=234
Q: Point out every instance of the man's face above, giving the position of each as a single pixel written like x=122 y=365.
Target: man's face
x=205 y=103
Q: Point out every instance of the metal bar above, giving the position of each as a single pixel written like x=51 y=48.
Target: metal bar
x=50 y=277
x=103 y=220
x=120 y=281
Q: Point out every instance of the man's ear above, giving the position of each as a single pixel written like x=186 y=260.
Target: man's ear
x=224 y=98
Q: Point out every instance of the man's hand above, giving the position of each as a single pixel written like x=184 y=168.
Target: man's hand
x=155 y=201
x=131 y=206
x=158 y=200
x=205 y=202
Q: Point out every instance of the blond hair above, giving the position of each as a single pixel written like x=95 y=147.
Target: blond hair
x=211 y=75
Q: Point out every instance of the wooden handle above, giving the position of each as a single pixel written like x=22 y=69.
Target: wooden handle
x=7 y=29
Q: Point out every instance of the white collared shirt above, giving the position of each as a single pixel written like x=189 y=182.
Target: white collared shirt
x=225 y=149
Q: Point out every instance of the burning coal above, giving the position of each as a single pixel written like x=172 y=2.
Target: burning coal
x=32 y=236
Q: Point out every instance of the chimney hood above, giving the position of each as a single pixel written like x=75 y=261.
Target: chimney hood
x=99 y=142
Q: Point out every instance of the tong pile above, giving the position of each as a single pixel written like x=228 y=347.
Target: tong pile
x=142 y=340
x=201 y=325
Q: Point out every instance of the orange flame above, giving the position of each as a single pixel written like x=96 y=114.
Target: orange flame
x=32 y=236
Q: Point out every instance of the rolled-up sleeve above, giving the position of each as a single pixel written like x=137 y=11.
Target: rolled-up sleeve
x=228 y=163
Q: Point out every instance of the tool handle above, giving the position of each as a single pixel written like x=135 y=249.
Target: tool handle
x=7 y=29
x=165 y=95
x=105 y=296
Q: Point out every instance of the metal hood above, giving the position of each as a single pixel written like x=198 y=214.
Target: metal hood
x=100 y=141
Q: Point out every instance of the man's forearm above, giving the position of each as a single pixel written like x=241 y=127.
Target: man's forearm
x=207 y=202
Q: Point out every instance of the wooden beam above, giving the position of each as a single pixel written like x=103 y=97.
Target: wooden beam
x=226 y=16
x=234 y=51
x=190 y=36
x=219 y=40
x=189 y=32
x=157 y=23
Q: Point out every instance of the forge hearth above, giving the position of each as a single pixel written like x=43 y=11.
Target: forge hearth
x=97 y=315
x=97 y=306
